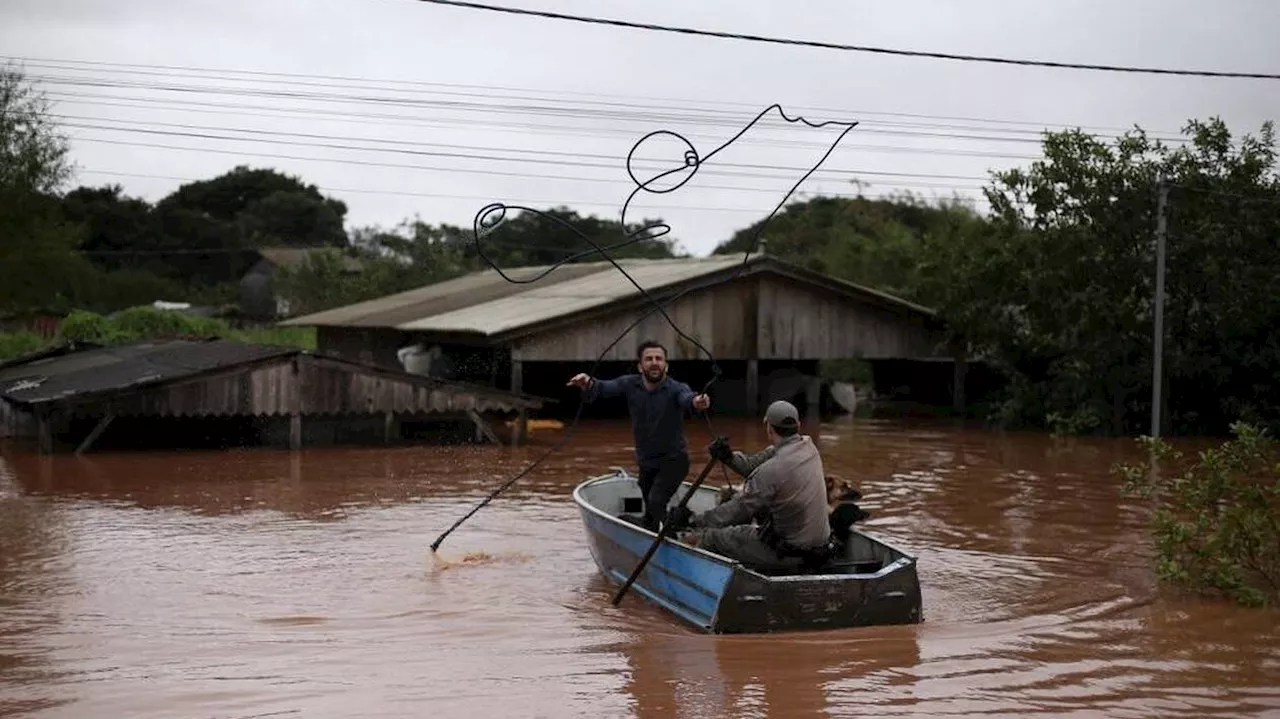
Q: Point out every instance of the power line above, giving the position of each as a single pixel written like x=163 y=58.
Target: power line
x=852 y=48
x=596 y=130
x=384 y=120
x=468 y=151
x=711 y=118
x=489 y=91
x=530 y=201
x=476 y=171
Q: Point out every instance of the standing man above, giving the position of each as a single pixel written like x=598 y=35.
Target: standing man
x=657 y=404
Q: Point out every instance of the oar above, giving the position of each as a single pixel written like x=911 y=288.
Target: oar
x=662 y=533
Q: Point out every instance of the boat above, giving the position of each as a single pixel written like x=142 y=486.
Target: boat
x=874 y=583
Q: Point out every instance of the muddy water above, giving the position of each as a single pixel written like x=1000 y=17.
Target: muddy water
x=260 y=584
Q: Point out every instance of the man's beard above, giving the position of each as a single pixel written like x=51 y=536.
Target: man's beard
x=654 y=375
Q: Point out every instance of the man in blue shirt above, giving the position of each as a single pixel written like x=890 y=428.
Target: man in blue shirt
x=657 y=404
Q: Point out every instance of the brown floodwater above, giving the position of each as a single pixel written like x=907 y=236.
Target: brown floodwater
x=263 y=584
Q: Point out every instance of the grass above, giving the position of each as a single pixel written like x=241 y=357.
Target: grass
x=141 y=323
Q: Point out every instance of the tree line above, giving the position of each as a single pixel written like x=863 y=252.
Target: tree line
x=1053 y=286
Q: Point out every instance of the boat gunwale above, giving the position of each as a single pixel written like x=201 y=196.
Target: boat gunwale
x=904 y=561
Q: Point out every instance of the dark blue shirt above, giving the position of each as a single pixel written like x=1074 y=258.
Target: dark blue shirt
x=657 y=415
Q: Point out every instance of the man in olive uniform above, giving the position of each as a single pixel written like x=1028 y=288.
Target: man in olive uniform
x=785 y=492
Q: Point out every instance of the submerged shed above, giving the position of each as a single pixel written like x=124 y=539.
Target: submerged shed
x=244 y=393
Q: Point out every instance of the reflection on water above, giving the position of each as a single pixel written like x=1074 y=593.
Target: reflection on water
x=258 y=583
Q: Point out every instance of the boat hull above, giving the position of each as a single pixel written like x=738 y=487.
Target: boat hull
x=718 y=595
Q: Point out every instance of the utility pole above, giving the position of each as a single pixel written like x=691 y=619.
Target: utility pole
x=1157 y=361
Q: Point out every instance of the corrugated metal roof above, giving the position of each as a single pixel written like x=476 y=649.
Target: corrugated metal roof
x=537 y=304
x=115 y=368
x=487 y=304
x=442 y=297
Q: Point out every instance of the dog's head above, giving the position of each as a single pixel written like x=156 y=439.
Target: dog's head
x=840 y=490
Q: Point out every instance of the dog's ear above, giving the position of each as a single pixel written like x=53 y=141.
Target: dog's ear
x=849 y=494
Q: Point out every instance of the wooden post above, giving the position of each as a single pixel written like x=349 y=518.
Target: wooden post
x=957 y=386
x=751 y=345
x=753 y=387
x=44 y=432
x=95 y=434
x=482 y=428
x=295 y=414
x=388 y=426
x=813 y=398
x=521 y=428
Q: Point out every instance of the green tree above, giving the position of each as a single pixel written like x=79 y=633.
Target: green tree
x=39 y=267
x=263 y=207
x=1060 y=293
x=881 y=243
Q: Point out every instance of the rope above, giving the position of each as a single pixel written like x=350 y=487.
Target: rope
x=491 y=216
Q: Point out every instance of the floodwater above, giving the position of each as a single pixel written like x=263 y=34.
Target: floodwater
x=262 y=584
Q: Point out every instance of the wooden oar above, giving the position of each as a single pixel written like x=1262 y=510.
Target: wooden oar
x=662 y=533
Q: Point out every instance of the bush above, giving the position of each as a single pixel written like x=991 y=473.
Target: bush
x=16 y=344
x=1216 y=525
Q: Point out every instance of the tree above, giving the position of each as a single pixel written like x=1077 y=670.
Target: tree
x=262 y=207
x=881 y=243
x=33 y=153
x=39 y=268
x=1060 y=295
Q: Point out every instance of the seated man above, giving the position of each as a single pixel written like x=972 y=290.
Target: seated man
x=785 y=490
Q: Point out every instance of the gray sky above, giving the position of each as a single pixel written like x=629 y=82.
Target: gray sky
x=555 y=106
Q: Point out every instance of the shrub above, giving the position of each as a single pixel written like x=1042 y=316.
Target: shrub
x=1216 y=524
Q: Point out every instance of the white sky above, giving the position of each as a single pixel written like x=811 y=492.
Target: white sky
x=553 y=106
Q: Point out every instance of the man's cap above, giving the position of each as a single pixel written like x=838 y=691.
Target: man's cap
x=782 y=414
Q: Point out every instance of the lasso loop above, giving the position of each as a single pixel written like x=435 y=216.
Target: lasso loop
x=491 y=216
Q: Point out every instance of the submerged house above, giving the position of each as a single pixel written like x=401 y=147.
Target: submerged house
x=183 y=392
x=767 y=322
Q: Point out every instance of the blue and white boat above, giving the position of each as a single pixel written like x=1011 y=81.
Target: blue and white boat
x=873 y=584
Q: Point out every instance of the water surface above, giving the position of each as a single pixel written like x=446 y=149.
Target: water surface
x=267 y=584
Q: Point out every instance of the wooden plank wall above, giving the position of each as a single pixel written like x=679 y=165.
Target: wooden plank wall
x=795 y=322
x=315 y=388
x=714 y=318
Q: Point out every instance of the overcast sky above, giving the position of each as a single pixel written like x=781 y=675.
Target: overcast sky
x=397 y=98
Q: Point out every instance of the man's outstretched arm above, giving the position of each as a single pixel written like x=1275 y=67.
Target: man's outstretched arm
x=593 y=389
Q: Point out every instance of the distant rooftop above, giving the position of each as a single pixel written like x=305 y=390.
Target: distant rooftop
x=293 y=257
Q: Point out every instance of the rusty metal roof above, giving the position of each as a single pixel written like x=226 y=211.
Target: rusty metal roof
x=485 y=303
x=73 y=374
x=106 y=369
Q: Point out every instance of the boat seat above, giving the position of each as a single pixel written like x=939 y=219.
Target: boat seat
x=636 y=519
x=840 y=567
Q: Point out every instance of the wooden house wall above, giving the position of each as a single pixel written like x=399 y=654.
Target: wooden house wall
x=367 y=345
x=798 y=322
x=793 y=321
x=314 y=388
x=715 y=318
x=335 y=390
x=14 y=422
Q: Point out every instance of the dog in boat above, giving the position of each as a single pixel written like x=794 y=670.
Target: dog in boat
x=842 y=507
